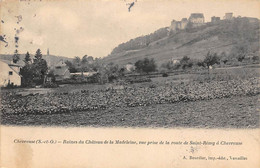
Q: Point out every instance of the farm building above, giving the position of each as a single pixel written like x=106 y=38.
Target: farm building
x=10 y=73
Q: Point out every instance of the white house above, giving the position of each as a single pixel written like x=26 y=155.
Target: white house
x=129 y=67
x=9 y=73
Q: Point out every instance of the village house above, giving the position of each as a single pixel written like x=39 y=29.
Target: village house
x=10 y=73
x=129 y=67
x=175 y=61
x=61 y=71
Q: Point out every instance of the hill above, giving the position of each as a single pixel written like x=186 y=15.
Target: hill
x=51 y=59
x=223 y=36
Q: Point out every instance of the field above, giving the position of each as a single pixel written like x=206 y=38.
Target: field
x=221 y=98
x=235 y=112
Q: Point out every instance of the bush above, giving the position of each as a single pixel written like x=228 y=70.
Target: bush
x=10 y=86
x=50 y=85
x=94 y=78
x=152 y=86
x=255 y=58
x=73 y=80
x=137 y=80
x=165 y=75
x=211 y=59
x=146 y=65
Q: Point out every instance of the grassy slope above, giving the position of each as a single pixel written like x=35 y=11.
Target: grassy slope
x=194 y=44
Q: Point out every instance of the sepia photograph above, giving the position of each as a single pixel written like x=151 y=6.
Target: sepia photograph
x=66 y=64
x=133 y=65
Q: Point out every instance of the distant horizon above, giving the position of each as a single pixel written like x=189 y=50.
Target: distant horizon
x=81 y=28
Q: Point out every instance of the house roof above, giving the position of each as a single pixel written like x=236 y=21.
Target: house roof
x=11 y=65
x=61 y=63
x=60 y=71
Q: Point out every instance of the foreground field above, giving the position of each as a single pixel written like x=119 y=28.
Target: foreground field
x=233 y=112
x=219 y=98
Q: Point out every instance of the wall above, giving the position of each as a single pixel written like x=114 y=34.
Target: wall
x=5 y=77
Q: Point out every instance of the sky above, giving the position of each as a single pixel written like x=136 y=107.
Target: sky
x=94 y=27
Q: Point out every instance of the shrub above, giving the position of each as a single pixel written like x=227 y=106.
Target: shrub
x=137 y=80
x=50 y=85
x=255 y=58
x=165 y=75
x=146 y=65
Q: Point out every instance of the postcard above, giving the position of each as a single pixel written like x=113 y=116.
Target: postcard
x=129 y=83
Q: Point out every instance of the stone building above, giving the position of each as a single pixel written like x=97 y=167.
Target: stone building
x=228 y=16
x=215 y=19
x=197 y=19
x=184 y=22
x=178 y=25
x=173 y=26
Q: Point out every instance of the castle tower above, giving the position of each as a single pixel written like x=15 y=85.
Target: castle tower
x=215 y=19
x=197 y=19
x=228 y=16
x=184 y=22
x=173 y=26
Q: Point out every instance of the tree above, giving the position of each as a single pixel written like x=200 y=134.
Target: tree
x=27 y=73
x=27 y=58
x=186 y=62
x=240 y=50
x=36 y=72
x=38 y=55
x=146 y=65
x=255 y=58
x=223 y=57
x=112 y=71
x=40 y=66
x=211 y=59
x=81 y=64
x=97 y=64
x=16 y=56
x=71 y=66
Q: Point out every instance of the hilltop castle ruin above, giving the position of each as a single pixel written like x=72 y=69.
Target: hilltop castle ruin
x=195 y=20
